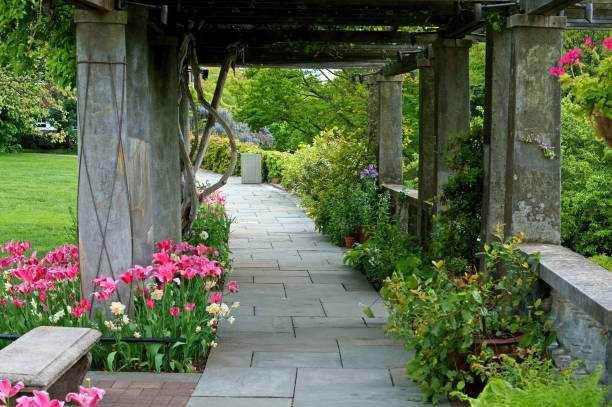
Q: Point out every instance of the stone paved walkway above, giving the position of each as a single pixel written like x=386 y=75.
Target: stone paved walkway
x=300 y=338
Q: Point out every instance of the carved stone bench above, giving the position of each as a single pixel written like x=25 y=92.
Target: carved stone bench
x=49 y=358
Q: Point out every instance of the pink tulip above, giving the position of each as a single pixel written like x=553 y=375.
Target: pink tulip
x=86 y=397
x=150 y=303
x=190 y=306
x=18 y=303
x=233 y=287
x=42 y=296
x=175 y=311
x=6 y=391
x=40 y=399
x=127 y=277
x=216 y=297
x=607 y=43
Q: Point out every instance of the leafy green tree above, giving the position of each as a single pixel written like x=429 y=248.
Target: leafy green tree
x=586 y=198
x=39 y=36
x=20 y=105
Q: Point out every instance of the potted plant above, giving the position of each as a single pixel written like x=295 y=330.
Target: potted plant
x=591 y=90
x=446 y=317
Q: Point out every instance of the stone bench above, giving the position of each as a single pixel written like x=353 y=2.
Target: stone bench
x=49 y=358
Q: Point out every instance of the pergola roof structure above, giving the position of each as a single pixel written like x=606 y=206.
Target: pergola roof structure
x=336 y=33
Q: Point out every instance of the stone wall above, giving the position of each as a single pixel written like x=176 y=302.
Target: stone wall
x=414 y=215
x=580 y=337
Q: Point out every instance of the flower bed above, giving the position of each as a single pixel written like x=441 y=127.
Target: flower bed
x=179 y=296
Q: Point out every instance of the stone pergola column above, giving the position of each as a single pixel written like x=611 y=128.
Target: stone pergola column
x=427 y=142
x=389 y=129
x=524 y=94
x=165 y=157
x=451 y=77
x=106 y=226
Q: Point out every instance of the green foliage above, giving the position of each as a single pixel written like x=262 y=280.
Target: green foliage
x=323 y=174
x=37 y=36
x=560 y=390
x=439 y=312
x=603 y=260
x=20 y=106
x=586 y=198
x=218 y=155
x=457 y=229
x=388 y=248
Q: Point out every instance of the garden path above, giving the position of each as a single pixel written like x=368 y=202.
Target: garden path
x=300 y=338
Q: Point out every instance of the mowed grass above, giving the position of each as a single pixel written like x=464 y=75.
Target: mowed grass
x=36 y=191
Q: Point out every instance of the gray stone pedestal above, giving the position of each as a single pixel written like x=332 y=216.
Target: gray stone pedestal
x=250 y=168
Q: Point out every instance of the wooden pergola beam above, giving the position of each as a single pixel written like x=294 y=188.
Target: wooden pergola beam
x=545 y=7
x=271 y=36
x=408 y=64
x=103 y=5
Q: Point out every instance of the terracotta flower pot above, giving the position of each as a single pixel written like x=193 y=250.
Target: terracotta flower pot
x=364 y=234
x=350 y=241
x=603 y=125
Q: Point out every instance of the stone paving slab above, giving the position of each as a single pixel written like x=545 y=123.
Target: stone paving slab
x=328 y=322
x=246 y=382
x=364 y=357
x=239 y=402
x=296 y=359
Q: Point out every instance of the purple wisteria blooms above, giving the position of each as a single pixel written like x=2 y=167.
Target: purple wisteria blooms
x=370 y=171
x=242 y=131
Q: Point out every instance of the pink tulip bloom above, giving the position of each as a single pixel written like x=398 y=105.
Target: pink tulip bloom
x=86 y=397
x=127 y=277
x=607 y=43
x=150 y=303
x=164 y=245
x=18 y=303
x=233 y=287
x=6 y=391
x=175 y=311
x=588 y=41
x=42 y=296
x=216 y=297
x=142 y=272
x=40 y=399
x=190 y=306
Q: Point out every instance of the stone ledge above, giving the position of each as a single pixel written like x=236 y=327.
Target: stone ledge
x=581 y=281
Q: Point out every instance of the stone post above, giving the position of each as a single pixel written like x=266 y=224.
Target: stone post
x=529 y=148
x=106 y=227
x=165 y=158
x=427 y=143
x=138 y=132
x=452 y=98
x=389 y=128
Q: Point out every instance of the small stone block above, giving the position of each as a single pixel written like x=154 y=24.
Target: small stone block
x=247 y=382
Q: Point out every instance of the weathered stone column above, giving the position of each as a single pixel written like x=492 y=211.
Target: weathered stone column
x=105 y=223
x=389 y=128
x=165 y=158
x=427 y=144
x=138 y=132
x=452 y=98
x=523 y=163
x=372 y=110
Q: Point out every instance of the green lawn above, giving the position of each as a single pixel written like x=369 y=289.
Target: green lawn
x=35 y=194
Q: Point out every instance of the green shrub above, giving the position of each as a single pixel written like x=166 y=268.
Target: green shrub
x=603 y=260
x=218 y=155
x=586 y=190
x=562 y=390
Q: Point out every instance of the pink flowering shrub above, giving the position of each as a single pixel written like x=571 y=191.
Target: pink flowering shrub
x=591 y=91
x=86 y=397
x=179 y=296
